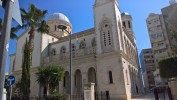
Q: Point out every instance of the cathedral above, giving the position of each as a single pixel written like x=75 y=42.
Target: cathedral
x=105 y=55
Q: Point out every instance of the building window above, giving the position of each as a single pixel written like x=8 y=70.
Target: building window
x=82 y=44
x=107 y=95
x=73 y=47
x=124 y=24
x=53 y=52
x=104 y=38
x=110 y=77
x=107 y=36
x=55 y=27
x=53 y=39
x=63 y=50
x=129 y=24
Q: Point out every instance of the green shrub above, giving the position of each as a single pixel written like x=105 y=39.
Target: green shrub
x=55 y=96
x=168 y=67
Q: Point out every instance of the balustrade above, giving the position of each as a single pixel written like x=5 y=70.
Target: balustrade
x=75 y=54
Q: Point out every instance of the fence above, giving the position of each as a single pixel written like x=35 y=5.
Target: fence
x=98 y=96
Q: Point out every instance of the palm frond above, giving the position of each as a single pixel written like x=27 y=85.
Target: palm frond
x=43 y=27
x=50 y=76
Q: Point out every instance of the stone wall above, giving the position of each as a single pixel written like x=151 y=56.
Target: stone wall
x=173 y=86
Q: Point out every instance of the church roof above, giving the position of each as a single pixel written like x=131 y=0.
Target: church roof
x=78 y=35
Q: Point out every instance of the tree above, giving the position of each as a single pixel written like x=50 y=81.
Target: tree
x=168 y=67
x=25 y=79
x=50 y=77
x=34 y=20
x=13 y=30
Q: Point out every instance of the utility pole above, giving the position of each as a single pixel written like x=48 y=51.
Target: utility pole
x=5 y=43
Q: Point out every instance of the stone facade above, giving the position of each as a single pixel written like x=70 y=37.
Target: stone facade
x=105 y=55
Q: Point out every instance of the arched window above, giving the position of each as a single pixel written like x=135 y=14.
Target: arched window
x=110 y=77
x=124 y=24
x=106 y=36
x=53 y=52
x=73 y=47
x=107 y=39
x=129 y=24
x=92 y=75
x=66 y=84
x=55 y=27
x=82 y=44
x=78 y=81
x=63 y=50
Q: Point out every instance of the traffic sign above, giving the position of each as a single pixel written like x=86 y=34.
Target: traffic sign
x=11 y=80
x=16 y=12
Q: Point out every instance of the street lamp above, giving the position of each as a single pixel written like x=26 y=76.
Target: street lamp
x=63 y=28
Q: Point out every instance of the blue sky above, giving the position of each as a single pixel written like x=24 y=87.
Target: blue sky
x=80 y=14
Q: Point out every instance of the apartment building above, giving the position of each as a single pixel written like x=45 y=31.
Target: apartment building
x=148 y=68
x=160 y=33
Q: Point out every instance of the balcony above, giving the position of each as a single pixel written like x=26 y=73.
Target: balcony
x=160 y=47
x=80 y=53
x=161 y=55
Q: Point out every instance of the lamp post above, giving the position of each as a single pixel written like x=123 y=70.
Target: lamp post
x=63 y=28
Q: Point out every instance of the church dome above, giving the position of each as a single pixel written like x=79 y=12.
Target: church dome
x=125 y=13
x=58 y=16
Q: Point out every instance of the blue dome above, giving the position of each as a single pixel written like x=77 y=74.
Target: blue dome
x=58 y=16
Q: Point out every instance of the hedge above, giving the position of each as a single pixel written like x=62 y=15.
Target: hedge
x=168 y=67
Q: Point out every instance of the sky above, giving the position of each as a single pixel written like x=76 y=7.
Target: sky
x=81 y=15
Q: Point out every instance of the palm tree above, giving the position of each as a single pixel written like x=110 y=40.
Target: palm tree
x=34 y=20
x=13 y=30
x=50 y=77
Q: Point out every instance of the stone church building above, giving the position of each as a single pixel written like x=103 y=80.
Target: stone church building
x=105 y=54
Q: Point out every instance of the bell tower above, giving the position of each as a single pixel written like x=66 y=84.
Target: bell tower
x=100 y=2
x=108 y=26
x=127 y=23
